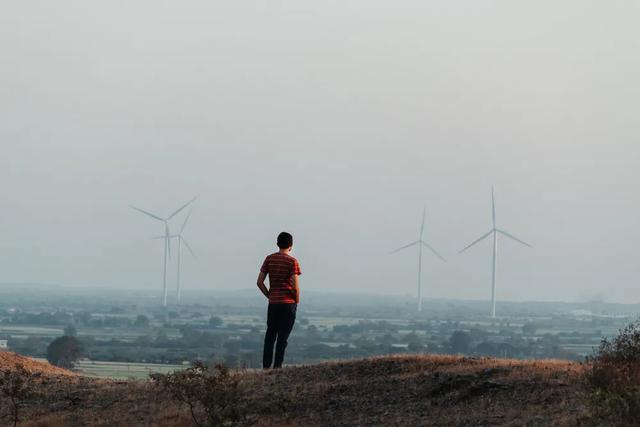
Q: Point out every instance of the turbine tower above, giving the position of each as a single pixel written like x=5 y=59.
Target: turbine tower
x=494 y=232
x=167 y=242
x=181 y=241
x=420 y=242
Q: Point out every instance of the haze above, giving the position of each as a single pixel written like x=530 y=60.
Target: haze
x=336 y=121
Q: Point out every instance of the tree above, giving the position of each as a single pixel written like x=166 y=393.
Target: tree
x=64 y=351
x=415 y=346
x=141 y=321
x=84 y=318
x=411 y=337
x=71 y=331
x=215 y=322
x=144 y=341
x=529 y=329
x=460 y=342
x=487 y=348
x=612 y=378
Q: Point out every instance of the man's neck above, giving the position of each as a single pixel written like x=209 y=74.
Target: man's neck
x=284 y=251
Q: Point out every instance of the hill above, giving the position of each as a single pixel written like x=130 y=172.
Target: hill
x=394 y=390
x=9 y=360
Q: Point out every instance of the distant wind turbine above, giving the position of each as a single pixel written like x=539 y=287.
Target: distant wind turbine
x=167 y=241
x=420 y=242
x=495 y=231
x=181 y=241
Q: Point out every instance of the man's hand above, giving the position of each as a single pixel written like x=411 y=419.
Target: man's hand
x=261 y=277
x=296 y=289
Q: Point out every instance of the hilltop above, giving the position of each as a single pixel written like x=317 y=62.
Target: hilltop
x=9 y=360
x=394 y=390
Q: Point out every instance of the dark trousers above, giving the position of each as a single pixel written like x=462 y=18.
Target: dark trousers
x=280 y=320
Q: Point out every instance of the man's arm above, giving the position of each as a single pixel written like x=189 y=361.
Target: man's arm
x=261 y=277
x=296 y=288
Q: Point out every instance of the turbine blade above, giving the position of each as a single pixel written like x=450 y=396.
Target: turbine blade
x=511 y=236
x=484 y=236
x=189 y=247
x=158 y=237
x=182 y=207
x=428 y=246
x=424 y=214
x=184 y=224
x=147 y=213
x=404 y=247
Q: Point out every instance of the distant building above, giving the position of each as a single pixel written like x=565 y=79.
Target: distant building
x=3 y=345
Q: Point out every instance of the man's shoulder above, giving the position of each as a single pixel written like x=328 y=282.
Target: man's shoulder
x=281 y=256
x=290 y=258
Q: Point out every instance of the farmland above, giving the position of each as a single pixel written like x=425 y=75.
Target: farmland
x=128 y=337
x=120 y=370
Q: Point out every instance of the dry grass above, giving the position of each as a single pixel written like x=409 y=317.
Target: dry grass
x=9 y=360
x=433 y=389
x=395 y=390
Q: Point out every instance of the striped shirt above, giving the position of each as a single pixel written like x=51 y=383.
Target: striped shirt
x=280 y=268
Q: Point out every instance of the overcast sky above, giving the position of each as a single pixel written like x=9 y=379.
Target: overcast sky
x=335 y=120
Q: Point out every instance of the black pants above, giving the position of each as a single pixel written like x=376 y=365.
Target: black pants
x=280 y=320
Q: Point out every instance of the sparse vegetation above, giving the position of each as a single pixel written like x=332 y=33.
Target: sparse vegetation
x=398 y=390
x=613 y=378
x=16 y=385
x=213 y=395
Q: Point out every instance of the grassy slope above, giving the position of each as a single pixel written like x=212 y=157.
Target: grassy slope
x=397 y=390
x=9 y=360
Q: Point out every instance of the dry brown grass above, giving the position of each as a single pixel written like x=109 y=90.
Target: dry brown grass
x=9 y=360
x=395 y=390
x=430 y=389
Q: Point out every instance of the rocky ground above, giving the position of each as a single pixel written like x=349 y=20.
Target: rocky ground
x=395 y=390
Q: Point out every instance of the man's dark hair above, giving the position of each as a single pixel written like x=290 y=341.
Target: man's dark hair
x=285 y=240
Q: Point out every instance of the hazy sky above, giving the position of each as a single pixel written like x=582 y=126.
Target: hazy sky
x=335 y=120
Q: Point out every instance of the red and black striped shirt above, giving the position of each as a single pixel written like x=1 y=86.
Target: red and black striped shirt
x=280 y=268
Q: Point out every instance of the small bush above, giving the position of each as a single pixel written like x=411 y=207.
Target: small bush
x=613 y=377
x=213 y=396
x=16 y=385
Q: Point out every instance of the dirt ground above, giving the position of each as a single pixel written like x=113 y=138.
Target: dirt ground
x=395 y=390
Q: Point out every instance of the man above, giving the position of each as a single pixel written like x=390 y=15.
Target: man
x=284 y=295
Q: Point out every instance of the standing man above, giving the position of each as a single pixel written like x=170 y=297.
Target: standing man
x=283 y=294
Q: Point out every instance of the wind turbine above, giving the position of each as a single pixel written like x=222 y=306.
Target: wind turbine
x=420 y=242
x=181 y=241
x=167 y=242
x=495 y=231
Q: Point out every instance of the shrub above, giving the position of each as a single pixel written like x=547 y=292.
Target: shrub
x=214 y=396
x=16 y=385
x=613 y=377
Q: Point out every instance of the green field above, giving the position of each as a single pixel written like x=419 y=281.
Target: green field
x=26 y=330
x=105 y=333
x=121 y=370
